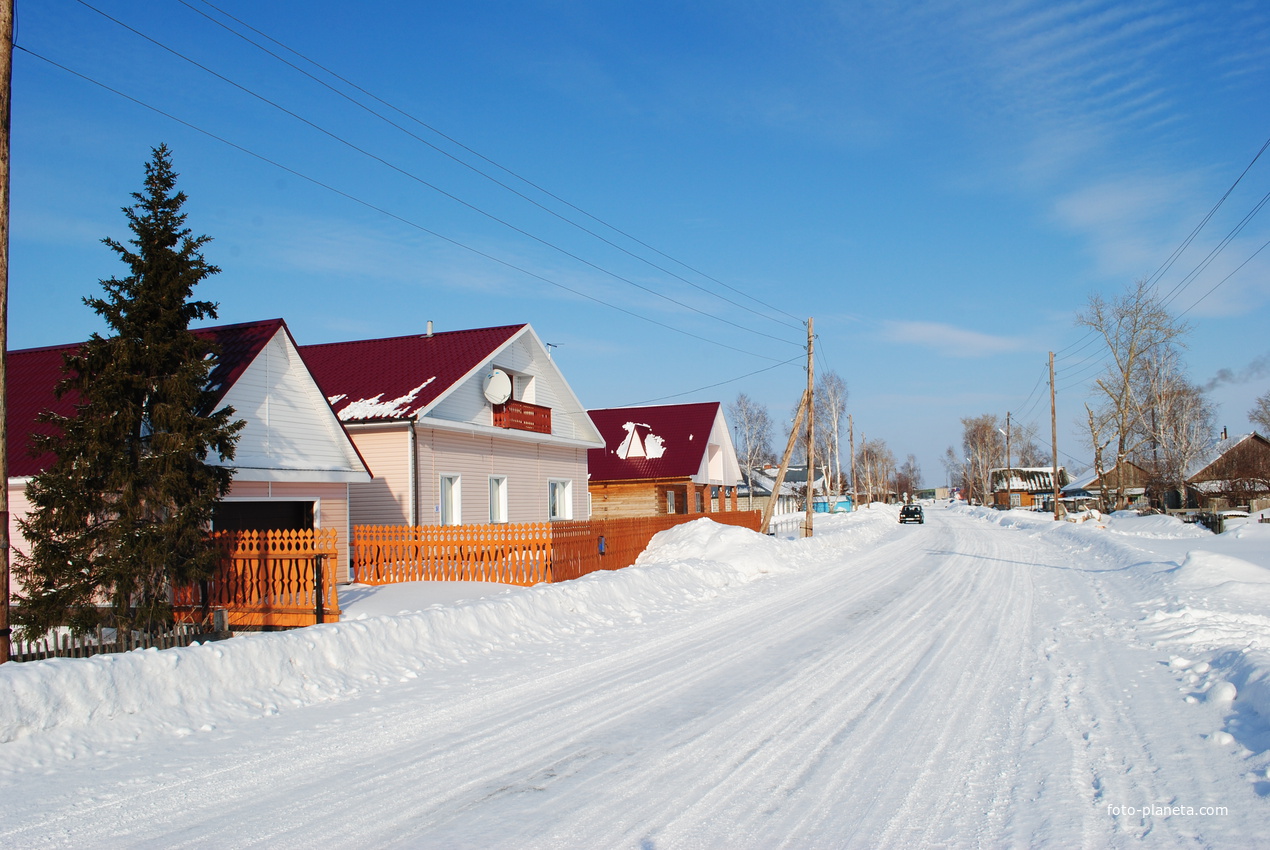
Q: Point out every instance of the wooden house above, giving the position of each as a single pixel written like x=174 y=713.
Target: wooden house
x=294 y=462
x=1234 y=473
x=459 y=427
x=1137 y=481
x=661 y=460
x=1025 y=487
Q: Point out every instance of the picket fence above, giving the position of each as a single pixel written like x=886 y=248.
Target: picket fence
x=519 y=553
x=63 y=644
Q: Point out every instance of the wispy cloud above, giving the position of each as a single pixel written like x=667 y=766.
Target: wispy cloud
x=950 y=341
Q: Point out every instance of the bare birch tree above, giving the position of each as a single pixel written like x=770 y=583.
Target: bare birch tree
x=754 y=430
x=831 y=406
x=1134 y=328
x=984 y=449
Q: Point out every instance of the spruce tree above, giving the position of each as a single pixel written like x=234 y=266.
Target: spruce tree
x=122 y=513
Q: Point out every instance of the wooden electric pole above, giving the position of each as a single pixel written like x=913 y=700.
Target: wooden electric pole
x=6 y=100
x=851 y=440
x=811 y=427
x=780 y=473
x=1054 y=436
x=1009 y=473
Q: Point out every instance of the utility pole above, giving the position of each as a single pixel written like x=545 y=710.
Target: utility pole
x=6 y=100
x=851 y=439
x=811 y=427
x=1009 y=473
x=780 y=474
x=1054 y=436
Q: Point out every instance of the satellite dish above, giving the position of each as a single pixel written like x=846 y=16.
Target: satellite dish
x=497 y=387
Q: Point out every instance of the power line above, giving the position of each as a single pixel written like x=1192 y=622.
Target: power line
x=383 y=211
x=468 y=165
x=410 y=175
x=720 y=384
x=1223 y=280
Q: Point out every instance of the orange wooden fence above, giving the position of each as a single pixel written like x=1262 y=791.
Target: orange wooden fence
x=522 y=553
x=504 y=553
x=267 y=578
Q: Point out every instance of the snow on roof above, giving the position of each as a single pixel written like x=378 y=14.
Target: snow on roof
x=411 y=371
x=661 y=441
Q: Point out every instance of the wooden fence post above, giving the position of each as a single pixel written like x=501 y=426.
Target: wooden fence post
x=319 y=592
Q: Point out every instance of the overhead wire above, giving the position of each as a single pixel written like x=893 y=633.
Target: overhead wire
x=484 y=254
x=414 y=177
x=471 y=167
x=719 y=384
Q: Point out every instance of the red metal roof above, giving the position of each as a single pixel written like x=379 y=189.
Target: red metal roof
x=395 y=378
x=680 y=432
x=33 y=375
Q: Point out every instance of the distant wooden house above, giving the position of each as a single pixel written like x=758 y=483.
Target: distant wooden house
x=660 y=460
x=1234 y=473
x=1136 y=479
x=1026 y=487
x=459 y=427
x=294 y=461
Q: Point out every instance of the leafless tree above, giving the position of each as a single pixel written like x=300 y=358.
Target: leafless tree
x=908 y=479
x=1025 y=448
x=1098 y=442
x=875 y=470
x=754 y=431
x=955 y=468
x=831 y=406
x=1178 y=423
x=984 y=448
x=1259 y=416
x=1135 y=327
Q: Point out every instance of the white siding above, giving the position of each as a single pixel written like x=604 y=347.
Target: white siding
x=475 y=457
x=290 y=432
x=526 y=355
x=385 y=500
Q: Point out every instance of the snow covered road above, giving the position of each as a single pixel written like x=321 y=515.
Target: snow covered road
x=968 y=682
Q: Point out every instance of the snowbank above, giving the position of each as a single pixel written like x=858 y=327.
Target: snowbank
x=262 y=674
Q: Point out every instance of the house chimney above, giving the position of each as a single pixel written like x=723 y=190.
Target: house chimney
x=429 y=327
x=1223 y=432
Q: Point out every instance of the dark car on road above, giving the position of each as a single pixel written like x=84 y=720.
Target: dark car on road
x=912 y=513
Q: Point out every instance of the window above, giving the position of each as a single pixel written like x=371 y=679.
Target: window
x=559 y=500
x=450 y=500
x=670 y=501
x=498 y=498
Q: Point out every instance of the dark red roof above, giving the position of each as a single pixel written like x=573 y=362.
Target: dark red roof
x=363 y=378
x=33 y=375
x=683 y=431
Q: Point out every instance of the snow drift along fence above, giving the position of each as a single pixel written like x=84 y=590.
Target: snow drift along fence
x=280 y=578
x=520 y=553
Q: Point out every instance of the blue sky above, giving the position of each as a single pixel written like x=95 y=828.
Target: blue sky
x=941 y=186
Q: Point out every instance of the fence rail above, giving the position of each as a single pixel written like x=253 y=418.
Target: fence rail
x=522 y=553
x=267 y=579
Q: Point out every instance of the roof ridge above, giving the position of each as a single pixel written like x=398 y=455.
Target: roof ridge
x=424 y=335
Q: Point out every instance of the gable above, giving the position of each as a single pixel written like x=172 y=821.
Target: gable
x=291 y=433
x=1240 y=457
x=666 y=441
x=34 y=373
x=438 y=380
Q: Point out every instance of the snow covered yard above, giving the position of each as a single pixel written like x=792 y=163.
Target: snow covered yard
x=985 y=679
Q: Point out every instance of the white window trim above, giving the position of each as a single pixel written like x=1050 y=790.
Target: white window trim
x=455 y=505
x=501 y=496
x=566 y=503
